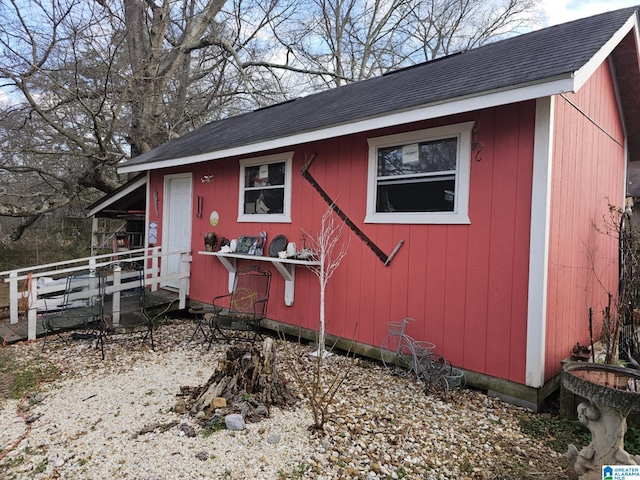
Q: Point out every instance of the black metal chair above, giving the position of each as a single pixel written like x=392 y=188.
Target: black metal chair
x=80 y=312
x=244 y=308
x=138 y=312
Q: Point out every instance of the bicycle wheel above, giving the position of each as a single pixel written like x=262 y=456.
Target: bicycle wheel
x=431 y=368
x=396 y=354
x=433 y=371
x=439 y=386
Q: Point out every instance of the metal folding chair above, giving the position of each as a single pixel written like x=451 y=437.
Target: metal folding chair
x=81 y=309
x=244 y=308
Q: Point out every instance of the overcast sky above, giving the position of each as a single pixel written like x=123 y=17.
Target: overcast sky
x=560 y=11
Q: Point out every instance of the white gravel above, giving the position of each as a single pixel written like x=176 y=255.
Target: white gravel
x=90 y=422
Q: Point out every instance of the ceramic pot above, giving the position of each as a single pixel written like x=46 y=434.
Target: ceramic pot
x=210 y=241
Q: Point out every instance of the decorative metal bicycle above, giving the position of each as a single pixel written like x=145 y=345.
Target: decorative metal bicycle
x=401 y=354
x=439 y=375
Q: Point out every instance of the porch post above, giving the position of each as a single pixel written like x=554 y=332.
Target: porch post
x=32 y=316
x=13 y=297
x=185 y=259
x=115 y=311
x=155 y=256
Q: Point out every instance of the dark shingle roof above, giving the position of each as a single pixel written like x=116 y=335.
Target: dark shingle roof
x=542 y=55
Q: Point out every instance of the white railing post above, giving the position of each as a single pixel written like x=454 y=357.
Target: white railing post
x=13 y=297
x=116 y=296
x=184 y=279
x=32 y=316
x=154 y=268
x=93 y=282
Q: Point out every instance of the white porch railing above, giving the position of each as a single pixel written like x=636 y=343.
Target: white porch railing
x=23 y=282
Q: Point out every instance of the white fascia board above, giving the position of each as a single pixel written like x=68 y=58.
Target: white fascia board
x=465 y=104
x=539 y=243
x=584 y=73
x=123 y=193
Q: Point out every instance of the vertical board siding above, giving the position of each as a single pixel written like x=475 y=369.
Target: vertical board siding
x=415 y=254
x=501 y=249
x=456 y=272
x=521 y=249
x=510 y=214
x=466 y=285
x=479 y=244
x=588 y=169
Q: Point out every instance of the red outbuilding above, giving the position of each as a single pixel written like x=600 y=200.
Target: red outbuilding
x=474 y=188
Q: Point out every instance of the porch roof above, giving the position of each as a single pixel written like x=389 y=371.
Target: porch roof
x=545 y=62
x=128 y=198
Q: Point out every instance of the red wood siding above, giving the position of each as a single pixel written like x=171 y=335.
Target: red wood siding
x=588 y=176
x=466 y=285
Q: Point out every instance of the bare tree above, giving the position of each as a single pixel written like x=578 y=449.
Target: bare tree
x=325 y=249
x=343 y=41
x=443 y=27
x=85 y=84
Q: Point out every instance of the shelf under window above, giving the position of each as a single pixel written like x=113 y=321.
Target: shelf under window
x=286 y=267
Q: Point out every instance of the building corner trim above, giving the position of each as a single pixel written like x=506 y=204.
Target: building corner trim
x=539 y=242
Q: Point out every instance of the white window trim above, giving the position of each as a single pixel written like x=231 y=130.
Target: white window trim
x=284 y=217
x=460 y=213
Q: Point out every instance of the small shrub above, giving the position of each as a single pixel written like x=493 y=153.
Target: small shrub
x=42 y=466
x=632 y=441
x=466 y=466
x=299 y=472
x=212 y=427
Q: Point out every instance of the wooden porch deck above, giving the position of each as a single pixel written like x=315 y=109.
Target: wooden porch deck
x=157 y=302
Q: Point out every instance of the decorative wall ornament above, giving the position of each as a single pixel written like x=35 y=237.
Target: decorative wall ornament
x=214 y=218
x=210 y=241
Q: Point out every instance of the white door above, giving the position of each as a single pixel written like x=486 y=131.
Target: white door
x=176 y=224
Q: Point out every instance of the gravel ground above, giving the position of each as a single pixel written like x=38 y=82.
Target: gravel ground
x=114 y=419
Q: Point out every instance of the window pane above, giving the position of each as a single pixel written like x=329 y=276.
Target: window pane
x=261 y=201
x=424 y=157
x=431 y=195
x=264 y=175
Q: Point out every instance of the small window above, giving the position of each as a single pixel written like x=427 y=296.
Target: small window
x=265 y=189
x=420 y=177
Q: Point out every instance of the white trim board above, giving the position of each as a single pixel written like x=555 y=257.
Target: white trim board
x=584 y=73
x=539 y=243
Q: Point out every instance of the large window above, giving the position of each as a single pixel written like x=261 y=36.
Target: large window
x=420 y=177
x=265 y=189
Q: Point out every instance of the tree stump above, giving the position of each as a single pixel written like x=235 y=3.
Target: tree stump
x=248 y=379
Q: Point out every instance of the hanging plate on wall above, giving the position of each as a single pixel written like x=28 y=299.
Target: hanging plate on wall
x=214 y=218
x=278 y=244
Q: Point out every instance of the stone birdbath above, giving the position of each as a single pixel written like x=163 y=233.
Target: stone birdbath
x=612 y=392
